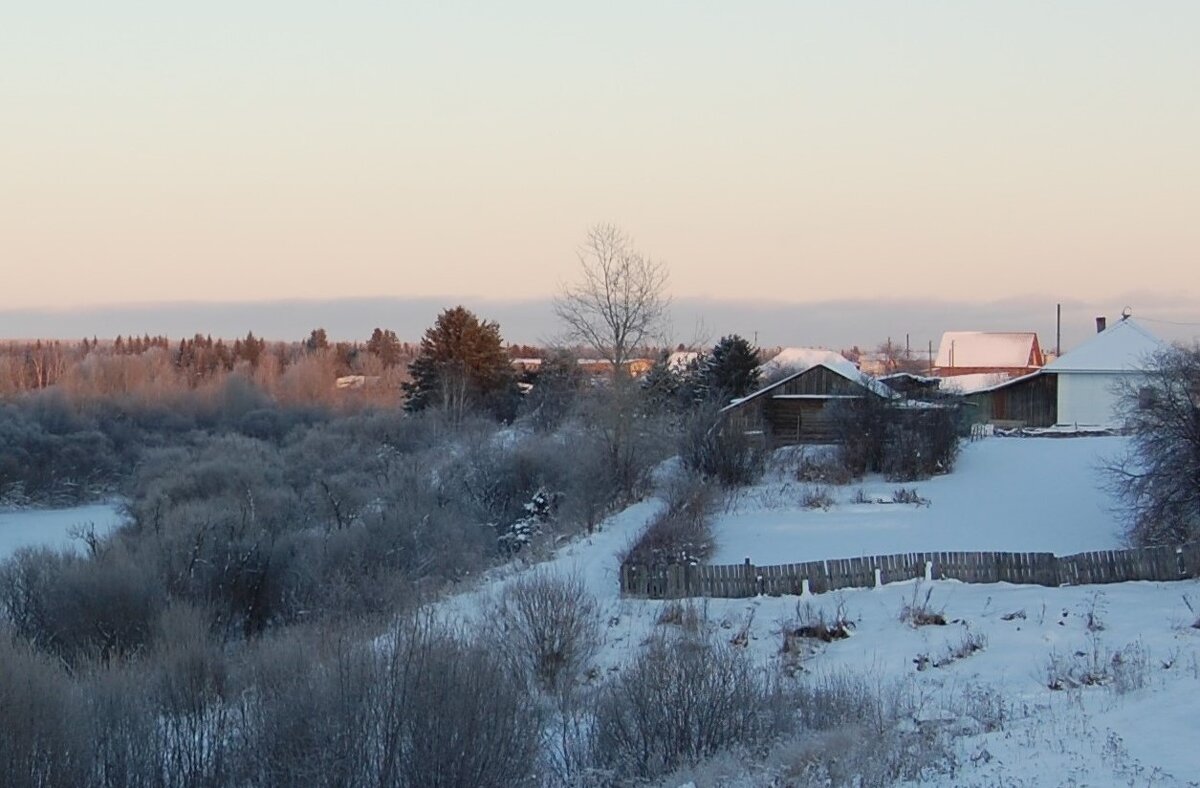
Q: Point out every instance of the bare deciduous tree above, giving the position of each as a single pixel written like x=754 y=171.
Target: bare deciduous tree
x=1159 y=476
x=621 y=302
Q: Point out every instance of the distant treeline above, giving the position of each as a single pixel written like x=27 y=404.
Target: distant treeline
x=291 y=371
x=126 y=365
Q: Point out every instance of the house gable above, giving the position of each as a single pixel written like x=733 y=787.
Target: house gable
x=794 y=410
x=971 y=352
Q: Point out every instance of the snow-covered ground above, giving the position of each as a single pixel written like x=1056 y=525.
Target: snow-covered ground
x=53 y=527
x=1138 y=726
x=1016 y=494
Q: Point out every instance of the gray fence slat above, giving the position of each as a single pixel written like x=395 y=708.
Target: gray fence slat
x=742 y=580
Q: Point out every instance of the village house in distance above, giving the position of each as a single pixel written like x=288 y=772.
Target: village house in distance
x=999 y=378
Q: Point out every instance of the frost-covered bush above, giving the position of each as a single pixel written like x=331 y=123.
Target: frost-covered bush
x=682 y=701
x=682 y=532
x=728 y=456
x=549 y=628
x=903 y=442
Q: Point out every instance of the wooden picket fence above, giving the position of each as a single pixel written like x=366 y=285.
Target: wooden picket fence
x=675 y=581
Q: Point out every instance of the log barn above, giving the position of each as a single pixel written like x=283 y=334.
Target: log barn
x=796 y=409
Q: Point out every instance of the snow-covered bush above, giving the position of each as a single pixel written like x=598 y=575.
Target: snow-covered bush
x=727 y=456
x=548 y=626
x=683 y=700
x=681 y=533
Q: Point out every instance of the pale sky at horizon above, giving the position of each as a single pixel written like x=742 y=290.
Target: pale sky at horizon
x=156 y=152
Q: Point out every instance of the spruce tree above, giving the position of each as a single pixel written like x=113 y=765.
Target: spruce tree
x=730 y=369
x=462 y=365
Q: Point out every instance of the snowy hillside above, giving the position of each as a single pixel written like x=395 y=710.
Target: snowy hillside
x=1123 y=659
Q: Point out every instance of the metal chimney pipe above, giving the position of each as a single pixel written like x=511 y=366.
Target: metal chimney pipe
x=1101 y=324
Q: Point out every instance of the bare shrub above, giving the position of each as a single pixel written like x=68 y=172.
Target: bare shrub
x=903 y=443
x=856 y=733
x=78 y=608
x=920 y=442
x=919 y=612
x=682 y=532
x=905 y=495
x=816 y=497
x=811 y=624
x=823 y=469
x=191 y=689
x=684 y=700
x=684 y=614
x=453 y=718
x=1125 y=669
x=122 y=726
x=548 y=627
x=309 y=718
x=41 y=742
x=1158 y=477
x=728 y=456
x=423 y=706
x=861 y=428
x=970 y=643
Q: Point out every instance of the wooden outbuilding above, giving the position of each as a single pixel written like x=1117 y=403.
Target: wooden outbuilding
x=797 y=409
x=1028 y=401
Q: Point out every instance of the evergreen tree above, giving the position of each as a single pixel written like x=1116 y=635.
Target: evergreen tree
x=730 y=369
x=386 y=345
x=662 y=384
x=462 y=364
x=317 y=340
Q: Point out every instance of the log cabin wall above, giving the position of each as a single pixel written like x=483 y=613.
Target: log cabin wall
x=1032 y=402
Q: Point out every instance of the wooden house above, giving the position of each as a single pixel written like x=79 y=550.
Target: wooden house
x=1079 y=389
x=797 y=408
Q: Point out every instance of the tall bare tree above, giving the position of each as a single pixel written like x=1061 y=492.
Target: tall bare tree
x=1158 y=477
x=621 y=301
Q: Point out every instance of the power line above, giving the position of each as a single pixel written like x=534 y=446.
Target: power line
x=1168 y=322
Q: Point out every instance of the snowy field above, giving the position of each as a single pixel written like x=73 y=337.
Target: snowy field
x=1136 y=726
x=1014 y=494
x=53 y=527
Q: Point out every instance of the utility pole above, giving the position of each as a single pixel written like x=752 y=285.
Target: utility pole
x=1058 y=335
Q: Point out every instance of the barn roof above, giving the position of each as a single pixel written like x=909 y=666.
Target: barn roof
x=976 y=383
x=1122 y=347
x=999 y=349
x=801 y=359
x=846 y=369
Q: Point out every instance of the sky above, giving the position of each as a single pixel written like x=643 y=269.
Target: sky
x=798 y=152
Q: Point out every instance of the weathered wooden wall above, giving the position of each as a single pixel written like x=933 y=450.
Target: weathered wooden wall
x=675 y=581
x=1032 y=402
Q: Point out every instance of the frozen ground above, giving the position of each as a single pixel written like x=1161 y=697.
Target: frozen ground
x=1018 y=494
x=1137 y=726
x=53 y=527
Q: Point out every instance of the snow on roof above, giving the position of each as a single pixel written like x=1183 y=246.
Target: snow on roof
x=679 y=360
x=985 y=349
x=974 y=384
x=799 y=359
x=1122 y=347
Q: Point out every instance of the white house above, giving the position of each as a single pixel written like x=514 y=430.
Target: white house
x=1089 y=376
